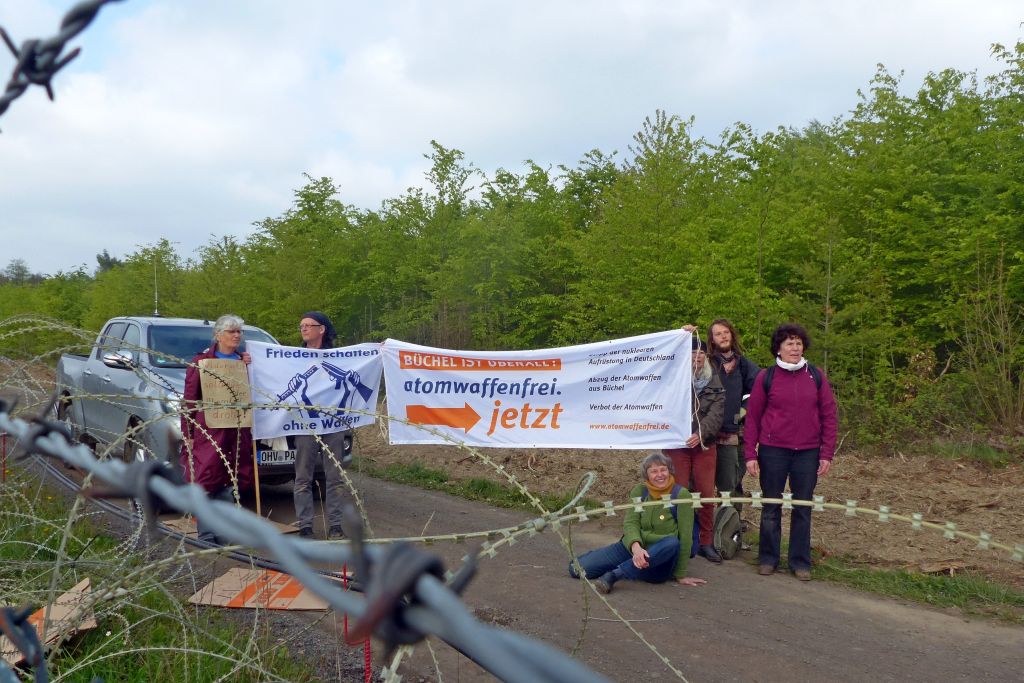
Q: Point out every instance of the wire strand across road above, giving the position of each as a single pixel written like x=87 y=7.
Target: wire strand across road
x=406 y=598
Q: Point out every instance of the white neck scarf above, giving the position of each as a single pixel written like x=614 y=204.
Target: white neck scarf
x=790 y=366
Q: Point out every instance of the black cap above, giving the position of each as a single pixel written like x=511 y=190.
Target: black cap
x=698 y=344
x=329 y=332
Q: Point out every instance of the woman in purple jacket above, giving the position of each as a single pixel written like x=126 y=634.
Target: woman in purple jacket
x=217 y=459
x=790 y=434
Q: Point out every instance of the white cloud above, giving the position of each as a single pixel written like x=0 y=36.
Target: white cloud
x=185 y=119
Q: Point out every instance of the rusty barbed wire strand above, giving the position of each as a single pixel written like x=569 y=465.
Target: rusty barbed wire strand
x=38 y=60
x=406 y=599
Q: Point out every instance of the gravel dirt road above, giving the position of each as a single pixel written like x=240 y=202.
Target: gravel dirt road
x=738 y=627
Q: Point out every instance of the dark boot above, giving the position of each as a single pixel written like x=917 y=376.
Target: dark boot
x=709 y=552
x=605 y=582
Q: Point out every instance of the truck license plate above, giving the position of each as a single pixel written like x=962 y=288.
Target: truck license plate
x=276 y=457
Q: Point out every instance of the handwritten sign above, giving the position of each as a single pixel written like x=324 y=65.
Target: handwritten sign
x=225 y=383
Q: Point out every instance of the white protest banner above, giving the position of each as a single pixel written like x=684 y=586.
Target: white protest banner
x=322 y=384
x=626 y=393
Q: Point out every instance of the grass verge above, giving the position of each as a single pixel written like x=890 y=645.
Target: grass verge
x=968 y=592
x=972 y=594
x=147 y=632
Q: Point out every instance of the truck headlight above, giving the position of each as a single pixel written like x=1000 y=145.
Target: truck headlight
x=172 y=402
x=172 y=406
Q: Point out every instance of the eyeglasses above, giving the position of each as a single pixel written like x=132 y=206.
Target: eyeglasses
x=303 y=328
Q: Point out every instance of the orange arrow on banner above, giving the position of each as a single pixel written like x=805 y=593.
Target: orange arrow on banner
x=460 y=418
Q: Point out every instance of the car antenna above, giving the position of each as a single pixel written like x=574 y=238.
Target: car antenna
x=156 y=293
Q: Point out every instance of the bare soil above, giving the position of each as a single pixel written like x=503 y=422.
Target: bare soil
x=975 y=496
x=737 y=627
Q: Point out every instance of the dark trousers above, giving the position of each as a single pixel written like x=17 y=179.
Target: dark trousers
x=308 y=452
x=801 y=469
x=661 y=561
x=729 y=471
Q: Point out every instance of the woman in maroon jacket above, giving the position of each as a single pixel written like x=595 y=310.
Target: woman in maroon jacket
x=790 y=434
x=215 y=458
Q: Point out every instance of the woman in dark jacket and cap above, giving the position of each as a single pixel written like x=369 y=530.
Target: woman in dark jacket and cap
x=318 y=333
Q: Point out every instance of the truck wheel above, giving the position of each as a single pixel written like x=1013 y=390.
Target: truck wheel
x=62 y=411
x=134 y=448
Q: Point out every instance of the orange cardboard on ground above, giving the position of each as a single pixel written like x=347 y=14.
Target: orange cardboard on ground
x=67 y=616
x=251 y=588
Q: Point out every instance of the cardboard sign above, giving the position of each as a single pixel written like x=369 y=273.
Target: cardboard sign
x=187 y=526
x=68 y=615
x=225 y=381
x=252 y=588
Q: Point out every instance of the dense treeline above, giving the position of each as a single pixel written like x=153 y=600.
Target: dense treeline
x=895 y=234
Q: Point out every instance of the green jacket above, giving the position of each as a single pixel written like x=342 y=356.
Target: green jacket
x=655 y=523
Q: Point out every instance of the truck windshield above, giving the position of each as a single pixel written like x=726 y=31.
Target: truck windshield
x=173 y=346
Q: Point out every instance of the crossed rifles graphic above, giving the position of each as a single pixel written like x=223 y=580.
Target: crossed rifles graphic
x=347 y=379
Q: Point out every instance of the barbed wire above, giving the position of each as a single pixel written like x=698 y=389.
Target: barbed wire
x=884 y=513
x=406 y=596
x=14 y=624
x=494 y=540
x=38 y=60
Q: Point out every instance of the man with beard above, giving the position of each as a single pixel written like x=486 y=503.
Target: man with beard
x=737 y=374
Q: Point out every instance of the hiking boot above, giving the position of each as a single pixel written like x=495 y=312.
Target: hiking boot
x=709 y=552
x=802 y=574
x=335 y=533
x=765 y=570
x=306 y=532
x=605 y=582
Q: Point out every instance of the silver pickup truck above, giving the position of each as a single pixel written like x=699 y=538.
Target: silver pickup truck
x=124 y=397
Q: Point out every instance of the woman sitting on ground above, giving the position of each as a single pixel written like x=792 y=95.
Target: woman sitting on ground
x=655 y=544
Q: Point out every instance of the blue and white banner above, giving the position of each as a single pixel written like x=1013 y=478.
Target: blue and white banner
x=321 y=384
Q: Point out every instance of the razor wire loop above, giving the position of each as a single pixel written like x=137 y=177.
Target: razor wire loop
x=388 y=590
x=553 y=520
x=39 y=59
x=428 y=606
x=138 y=474
x=22 y=633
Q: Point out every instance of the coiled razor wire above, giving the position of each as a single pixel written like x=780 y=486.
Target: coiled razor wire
x=38 y=60
x=406 y=596
x=495 y=539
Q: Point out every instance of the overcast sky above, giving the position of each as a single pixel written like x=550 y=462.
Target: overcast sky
x=188 y=119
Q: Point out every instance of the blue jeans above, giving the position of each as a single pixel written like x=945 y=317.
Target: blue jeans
x=801 y=469
x=661 y=563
